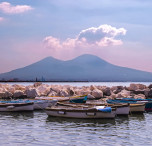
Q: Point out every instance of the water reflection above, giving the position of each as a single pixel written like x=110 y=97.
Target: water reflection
x=81 y=122
x=36 y=128
x=137 y=116
x=17 y=115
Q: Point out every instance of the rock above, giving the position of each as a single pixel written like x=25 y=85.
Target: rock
x=31 y=93
x=12 y=90
x=141 y=96
x=5 y=94
x=84 y=92
x=138 y=91
x=112 y=96
x=113 y=88
x=19 y=87
x=71 y=91
x=92 y=87
x=134 y=87
x=43 y=90
x=52 y=93
x=150 y=94
x=90 y=97
x=146 y=92
x=37 y=84
x=141 y=87
x=18 y=93
x=63 y=93
x=97 y=93
x=78 y=91
x=123 y=94
x=117 y=89
x=56 y=89
x=106 y=91
x=2 y=94
x=150 y=86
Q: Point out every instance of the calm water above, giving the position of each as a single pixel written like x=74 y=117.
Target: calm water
x=36 y=128
x=18 y=129
x=79 y=84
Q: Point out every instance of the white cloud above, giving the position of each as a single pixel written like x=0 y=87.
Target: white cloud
x=7 y=8
x=94 y=37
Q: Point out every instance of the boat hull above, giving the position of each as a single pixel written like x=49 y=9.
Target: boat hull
x=11 y=107
x=124 y=110
x=80 y=114
x=137 y=108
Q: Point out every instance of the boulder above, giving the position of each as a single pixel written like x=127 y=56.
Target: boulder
x=31 y=93
x=70 y=91
x=146 y=92
x=37 y=84
x=136 y=87
x=113 y=88
x=63 y=93
x=19 y=87
x=141 y=96
x=112 y=96
x=150 y=86
x=123 y=94
x=18 y=93
x=106 y=91
x=56 y=89
x=52 y=94
x=43 y=90
x=11 y=89
x=138 y=91
x=92 y=87
x=150 y=94
x=90 y=97
x=6 y=94
x=97 y=93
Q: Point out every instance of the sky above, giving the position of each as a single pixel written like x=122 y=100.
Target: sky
x=117 y=31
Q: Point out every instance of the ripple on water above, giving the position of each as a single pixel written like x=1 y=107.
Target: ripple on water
x=38 y=129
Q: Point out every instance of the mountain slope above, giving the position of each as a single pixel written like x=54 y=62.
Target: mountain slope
x=83 y=68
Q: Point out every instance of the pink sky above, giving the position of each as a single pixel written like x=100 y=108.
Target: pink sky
x=115 y=32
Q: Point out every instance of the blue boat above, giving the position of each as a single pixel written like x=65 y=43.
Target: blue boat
x=37 y=104
x=78 y=99
x=148 y=102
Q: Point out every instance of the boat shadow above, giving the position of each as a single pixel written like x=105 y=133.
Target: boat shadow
x=137 y=116
x=63 y=120
x=18 y=115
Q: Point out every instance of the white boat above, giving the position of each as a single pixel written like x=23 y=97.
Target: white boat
x=84 y=112
x=11 y=107
x=137 y=107
x=121 y=109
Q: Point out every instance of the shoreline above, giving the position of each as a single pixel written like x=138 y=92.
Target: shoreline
x=39 y=89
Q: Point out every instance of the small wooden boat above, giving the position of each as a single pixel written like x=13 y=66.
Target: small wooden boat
x=72 y=99
x=37 y=104
x=137 y=108
x=11 y=107
x=134 y=105
x=85 y=112
x=121 y=108
x=78 y=99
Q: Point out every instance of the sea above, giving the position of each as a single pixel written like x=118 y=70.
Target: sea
x=37 y=129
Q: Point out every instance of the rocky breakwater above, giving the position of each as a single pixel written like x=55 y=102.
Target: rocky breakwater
x=94 y=92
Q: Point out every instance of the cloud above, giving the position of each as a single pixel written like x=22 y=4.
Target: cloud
x=7 y=8
x=1 y=19
x=94 y=37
